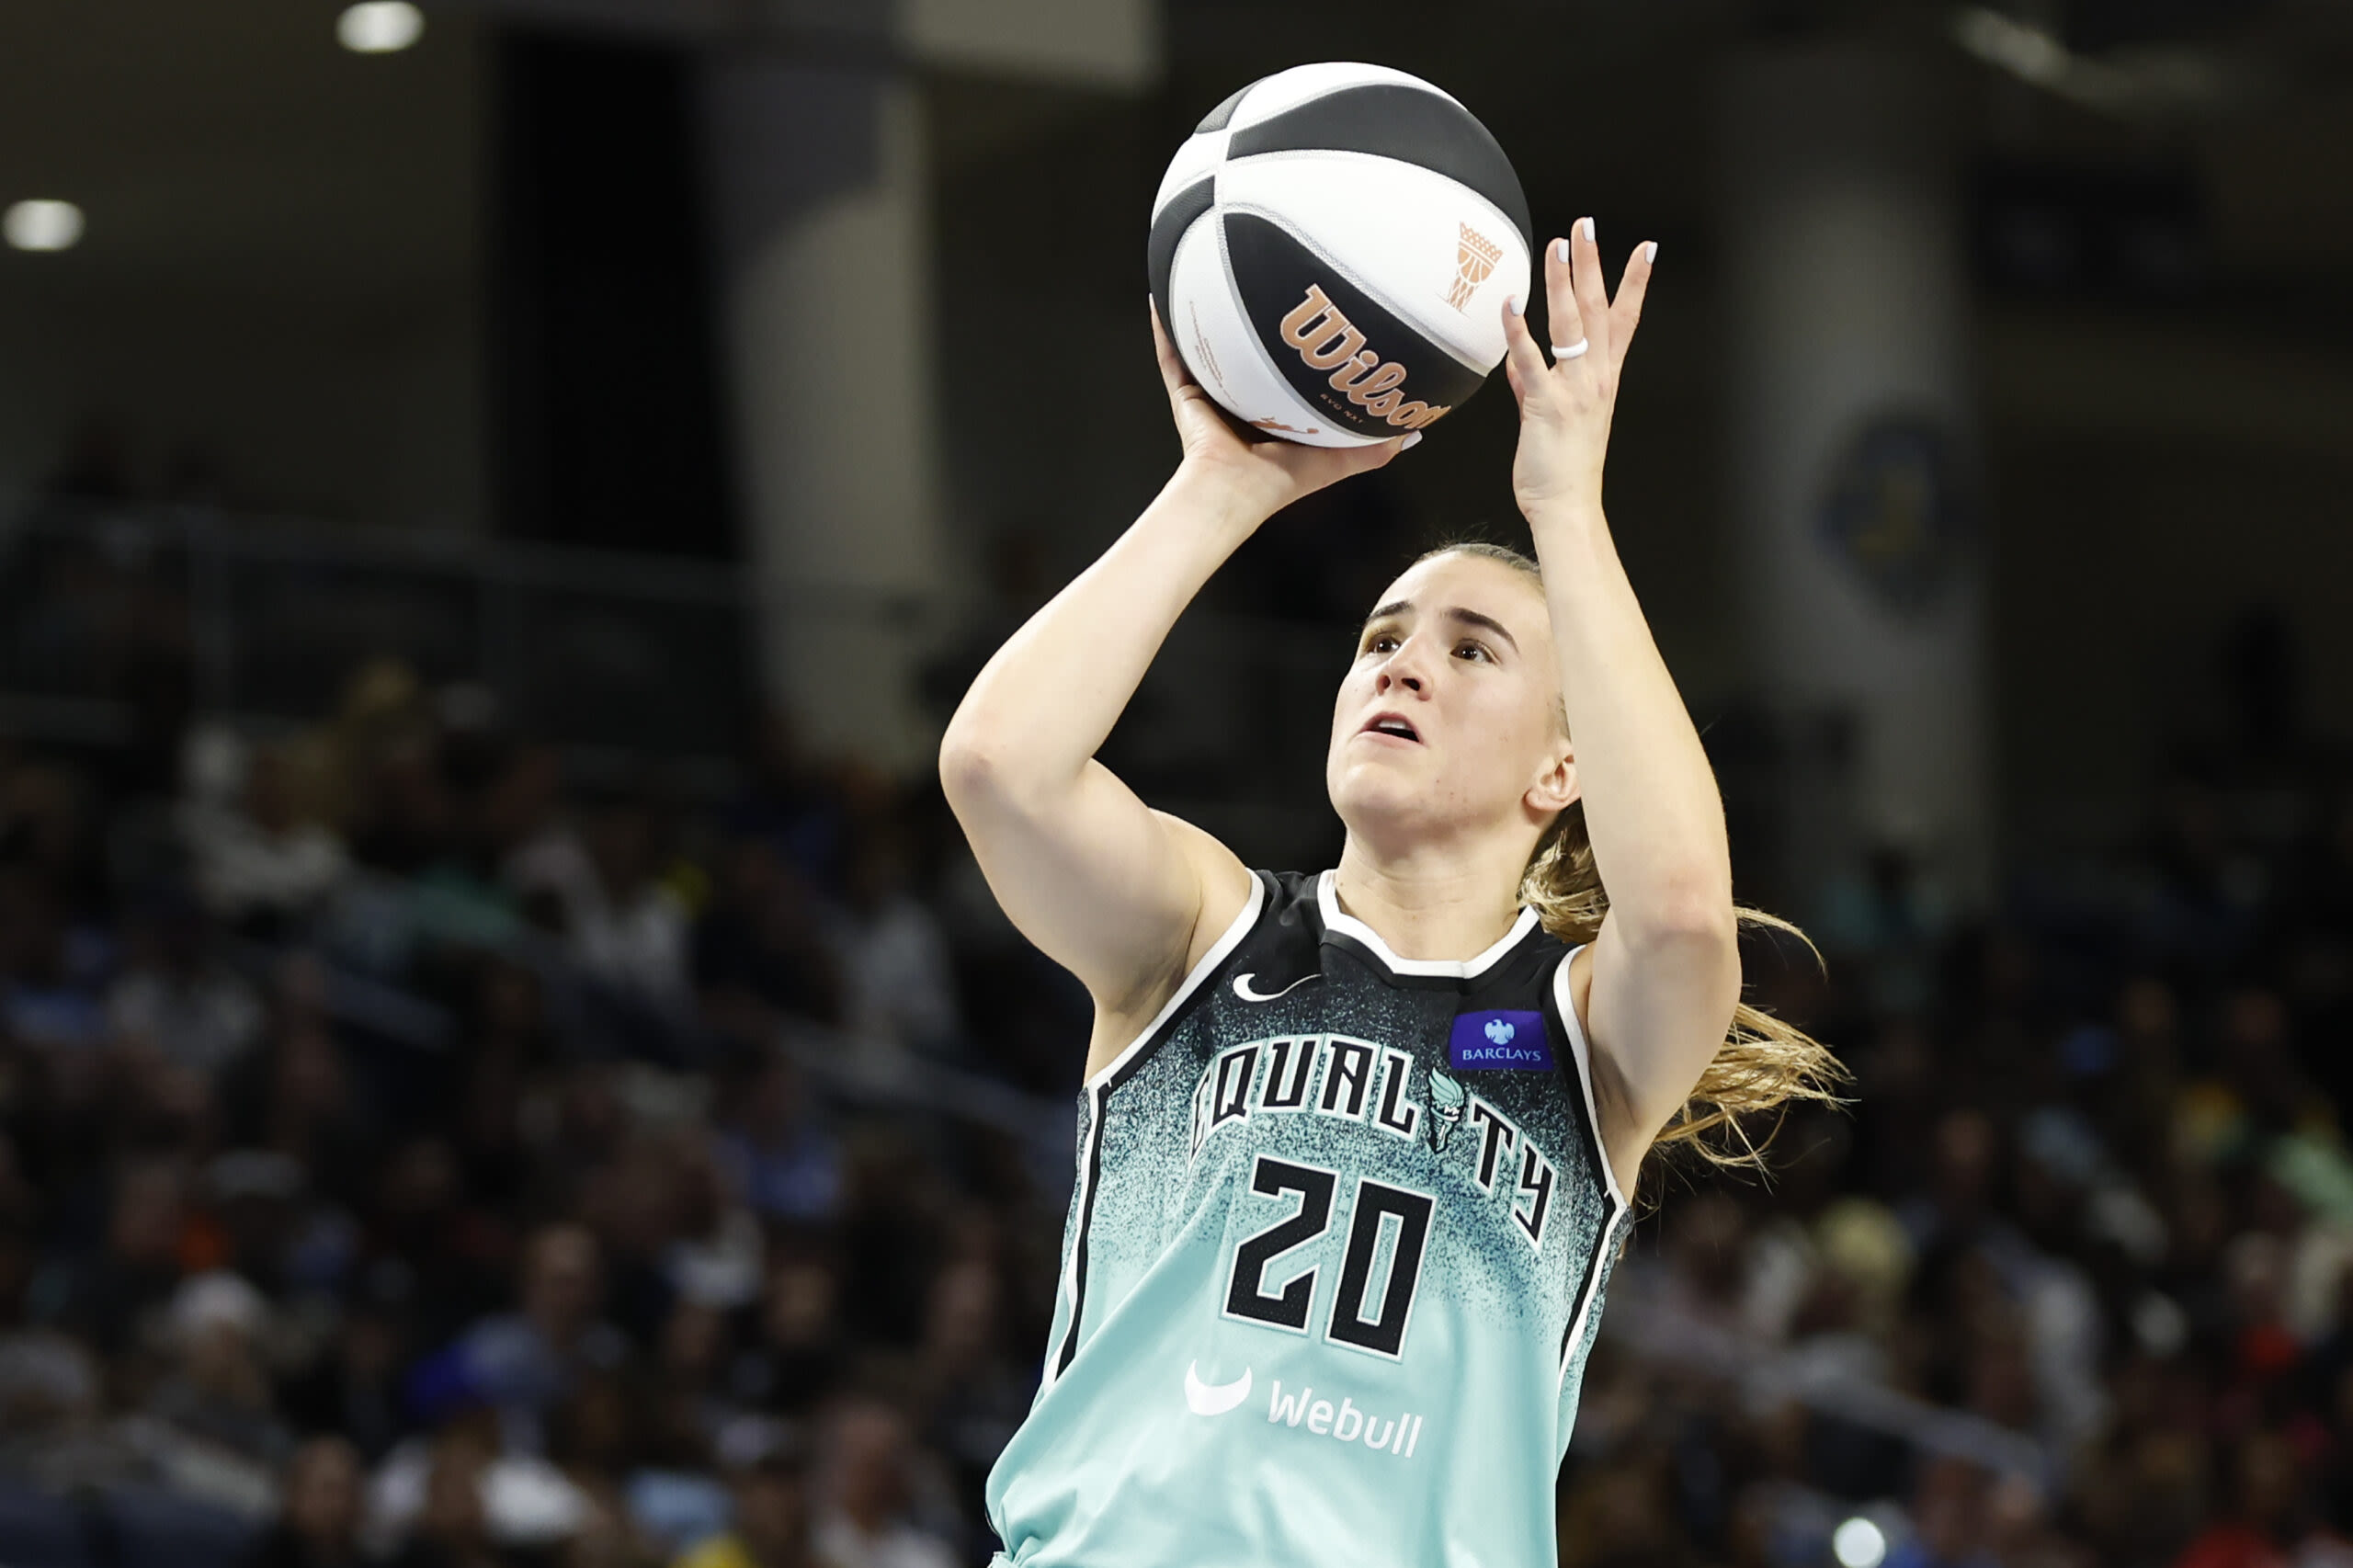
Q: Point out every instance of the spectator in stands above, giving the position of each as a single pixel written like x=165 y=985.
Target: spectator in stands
x=452 y=1528
x=626 y=927
x=2268 y=1512
x=219 y=1392
x=524 y=1362
x=786 y=804
x=319 y=1525
x=53 y=976
x=109 y=1298
x=863 y=1520
x=261 y=864
x=49 y=1383
x=294 y=1099
x=796 y=1357
x=774 y=1148
x=772 y=1526
x=898 y=980
x=352 y=1386
x=758 y=953
x=973 y=1397
x=174 y=995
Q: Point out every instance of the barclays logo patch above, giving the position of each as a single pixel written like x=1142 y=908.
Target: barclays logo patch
x=1489 y=1040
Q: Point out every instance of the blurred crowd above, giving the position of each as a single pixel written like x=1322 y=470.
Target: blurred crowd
x=414 y=1151
x=417 y=1148
x=2068 y=1284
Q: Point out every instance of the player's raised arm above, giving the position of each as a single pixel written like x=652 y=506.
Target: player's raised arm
x=1666 y=967
x=1124 y=897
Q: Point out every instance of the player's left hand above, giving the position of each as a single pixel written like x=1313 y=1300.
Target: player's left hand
x=1566 y=406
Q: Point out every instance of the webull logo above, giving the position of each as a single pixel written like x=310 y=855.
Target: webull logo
x=1326 y=340
x=1398 y=1434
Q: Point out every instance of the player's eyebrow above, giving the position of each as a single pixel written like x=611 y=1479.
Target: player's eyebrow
x=1451 y=612
x=1472 y=618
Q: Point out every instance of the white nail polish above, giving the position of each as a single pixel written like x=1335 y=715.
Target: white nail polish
x=1586 y=224
x=1562 y=247
x=1650 y=252
x=1410 y=442
x=1512 y=304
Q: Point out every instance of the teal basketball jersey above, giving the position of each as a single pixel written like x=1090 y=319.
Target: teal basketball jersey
x=1334 y=1263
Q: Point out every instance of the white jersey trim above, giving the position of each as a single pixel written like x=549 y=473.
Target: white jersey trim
x=1097 y=1092
x=1210 y=960
x=1620 y=1210
x=1575 y=1026
x=1601 y=1251
x=1327 y=901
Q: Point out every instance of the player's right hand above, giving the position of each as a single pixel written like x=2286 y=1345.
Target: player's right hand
x=1261 y=477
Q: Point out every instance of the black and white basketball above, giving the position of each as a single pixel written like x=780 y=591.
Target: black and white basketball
x=1330 y=250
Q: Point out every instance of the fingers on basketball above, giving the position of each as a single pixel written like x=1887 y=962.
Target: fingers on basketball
x=1173 y=374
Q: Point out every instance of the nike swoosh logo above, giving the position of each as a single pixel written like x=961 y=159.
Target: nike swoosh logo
x=1213 y=1399
x=1242 y=987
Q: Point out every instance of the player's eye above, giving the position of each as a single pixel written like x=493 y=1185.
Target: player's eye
x=1381 y=642
x=1468 y=650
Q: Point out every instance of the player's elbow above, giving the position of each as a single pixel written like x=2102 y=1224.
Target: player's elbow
x=1689 y=920
x=988 y=773
x=971 y=771
x=1695 y=939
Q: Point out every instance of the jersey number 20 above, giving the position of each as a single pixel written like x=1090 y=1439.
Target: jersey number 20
x=1383 y=1333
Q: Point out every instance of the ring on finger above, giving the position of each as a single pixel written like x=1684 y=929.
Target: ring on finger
x=1569 y=351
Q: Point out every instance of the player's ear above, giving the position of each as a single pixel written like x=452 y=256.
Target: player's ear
x=1555 y=789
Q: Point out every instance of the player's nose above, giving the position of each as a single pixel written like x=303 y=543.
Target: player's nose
x=1403 y=670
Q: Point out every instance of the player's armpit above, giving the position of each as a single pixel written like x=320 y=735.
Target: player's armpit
x=1114 y=892
x=1655 y=1015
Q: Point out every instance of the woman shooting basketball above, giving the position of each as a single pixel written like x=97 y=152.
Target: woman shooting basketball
x=1356 y=1149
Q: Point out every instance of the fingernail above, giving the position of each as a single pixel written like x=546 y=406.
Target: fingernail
x=1562 y=247
x=1512 y=304
x=1650 y=251
x=1410 y=442
x=1586 y=224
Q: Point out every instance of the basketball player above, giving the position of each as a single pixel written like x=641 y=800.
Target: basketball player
x=1356 y=1148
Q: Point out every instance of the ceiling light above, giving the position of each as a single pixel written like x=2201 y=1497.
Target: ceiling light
x=379 y=26
x=42 y=225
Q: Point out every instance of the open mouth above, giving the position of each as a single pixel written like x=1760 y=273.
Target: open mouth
x=1393 y=725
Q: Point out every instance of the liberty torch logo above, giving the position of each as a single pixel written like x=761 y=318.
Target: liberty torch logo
x=1474 y=261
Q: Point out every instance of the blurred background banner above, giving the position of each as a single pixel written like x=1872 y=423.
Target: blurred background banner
x=503 y=1055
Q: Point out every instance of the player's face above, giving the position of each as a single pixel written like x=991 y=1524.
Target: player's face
x=1448 y=720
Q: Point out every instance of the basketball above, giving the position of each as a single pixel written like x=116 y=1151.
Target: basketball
x=1330 y=252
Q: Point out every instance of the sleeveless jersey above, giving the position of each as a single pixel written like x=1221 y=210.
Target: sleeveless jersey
x=1332 y=1265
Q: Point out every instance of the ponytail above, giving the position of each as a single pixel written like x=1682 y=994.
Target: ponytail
x=1764 y=1063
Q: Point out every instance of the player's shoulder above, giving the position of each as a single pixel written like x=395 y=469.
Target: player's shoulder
x=1276 y=920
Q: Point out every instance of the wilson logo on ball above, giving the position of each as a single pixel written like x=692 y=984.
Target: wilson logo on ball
x=1474 y=262
x=1326 y=340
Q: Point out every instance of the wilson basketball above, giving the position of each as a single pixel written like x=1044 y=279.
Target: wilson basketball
x=1330 y=250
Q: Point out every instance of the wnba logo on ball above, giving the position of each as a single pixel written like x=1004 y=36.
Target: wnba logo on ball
x=1474 y=261
x=1327 y=341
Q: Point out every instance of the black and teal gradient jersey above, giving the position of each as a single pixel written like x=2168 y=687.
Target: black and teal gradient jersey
x=1335 y=1258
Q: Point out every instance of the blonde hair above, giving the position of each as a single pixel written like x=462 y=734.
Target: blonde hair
x=1764 y=1063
